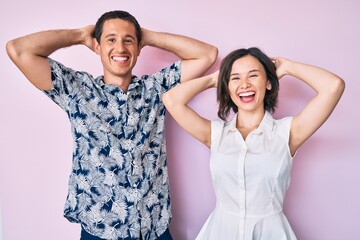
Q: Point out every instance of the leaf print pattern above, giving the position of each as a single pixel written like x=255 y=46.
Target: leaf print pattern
x=118 y=186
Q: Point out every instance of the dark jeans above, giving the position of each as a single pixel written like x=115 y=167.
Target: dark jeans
x=87 y=236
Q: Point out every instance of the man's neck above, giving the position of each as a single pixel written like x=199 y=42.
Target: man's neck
x=120 y=82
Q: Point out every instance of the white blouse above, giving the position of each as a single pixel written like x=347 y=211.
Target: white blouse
x=250 y=179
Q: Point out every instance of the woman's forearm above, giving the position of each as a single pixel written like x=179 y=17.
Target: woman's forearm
x=184 y=92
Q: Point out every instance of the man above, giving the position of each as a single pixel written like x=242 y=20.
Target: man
x=118 y=188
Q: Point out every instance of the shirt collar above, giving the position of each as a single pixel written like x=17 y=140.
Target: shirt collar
x=266 y=124
x=134 y=82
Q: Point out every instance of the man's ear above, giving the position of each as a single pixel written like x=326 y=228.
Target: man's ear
x=96 y=46
x=140 y=47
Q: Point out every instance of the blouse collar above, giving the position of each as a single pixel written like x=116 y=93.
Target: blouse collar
x=266 y=124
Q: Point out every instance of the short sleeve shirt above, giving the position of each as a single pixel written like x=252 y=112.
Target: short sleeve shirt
x=118 y=186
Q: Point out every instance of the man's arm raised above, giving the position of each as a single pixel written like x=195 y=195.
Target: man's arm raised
x=30 y=52
x=197 y=56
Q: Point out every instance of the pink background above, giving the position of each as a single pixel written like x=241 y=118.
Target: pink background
x=36 y=147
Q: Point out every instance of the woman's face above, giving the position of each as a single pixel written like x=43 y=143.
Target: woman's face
x=248 y=83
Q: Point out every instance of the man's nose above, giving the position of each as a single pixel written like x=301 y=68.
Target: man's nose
x=121 y=47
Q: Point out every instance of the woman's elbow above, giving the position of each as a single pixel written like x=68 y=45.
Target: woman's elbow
x=166 y=99
x=10 y=49
x=339 y=86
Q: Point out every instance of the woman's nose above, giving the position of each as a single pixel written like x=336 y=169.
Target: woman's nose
x=244 y=83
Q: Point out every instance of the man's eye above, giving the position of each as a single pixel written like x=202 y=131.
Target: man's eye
x=128 y=41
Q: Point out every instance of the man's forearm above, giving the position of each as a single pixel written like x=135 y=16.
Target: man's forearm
x=184 y=47
x=30 y=52
x=46 y=42
x=197 y=56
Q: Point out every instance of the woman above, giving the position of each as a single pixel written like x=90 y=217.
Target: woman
x=251 y=155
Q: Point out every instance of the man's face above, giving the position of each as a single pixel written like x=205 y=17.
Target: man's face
x=118 y=49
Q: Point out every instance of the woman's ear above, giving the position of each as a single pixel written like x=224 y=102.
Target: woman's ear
x=268 y=85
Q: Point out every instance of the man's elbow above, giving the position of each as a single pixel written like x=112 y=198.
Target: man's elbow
x=213 y=54
x=12 y=50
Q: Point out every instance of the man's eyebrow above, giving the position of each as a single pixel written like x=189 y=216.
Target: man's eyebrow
x=110 y=35
x=114 y=34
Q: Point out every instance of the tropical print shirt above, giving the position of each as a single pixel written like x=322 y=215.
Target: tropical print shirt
x=118 y=187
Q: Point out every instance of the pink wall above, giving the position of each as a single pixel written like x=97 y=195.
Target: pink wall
x=35 y=144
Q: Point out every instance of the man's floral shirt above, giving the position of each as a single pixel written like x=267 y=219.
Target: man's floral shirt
x=118 y=187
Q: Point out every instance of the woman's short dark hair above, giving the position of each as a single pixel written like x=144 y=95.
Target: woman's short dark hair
x=223 y=95
x=117 y=14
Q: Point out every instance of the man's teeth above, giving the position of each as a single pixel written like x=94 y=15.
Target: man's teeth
x=120 y=58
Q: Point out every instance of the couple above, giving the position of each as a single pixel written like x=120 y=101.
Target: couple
x=118 y=187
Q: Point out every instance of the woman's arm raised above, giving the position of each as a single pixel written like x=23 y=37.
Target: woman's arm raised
x=176 y=100
x=329 y=89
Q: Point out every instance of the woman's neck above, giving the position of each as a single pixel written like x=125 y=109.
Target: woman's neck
x=246 y=121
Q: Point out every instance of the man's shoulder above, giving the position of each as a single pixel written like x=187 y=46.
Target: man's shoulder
x=173 y=67
x=59 y=68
